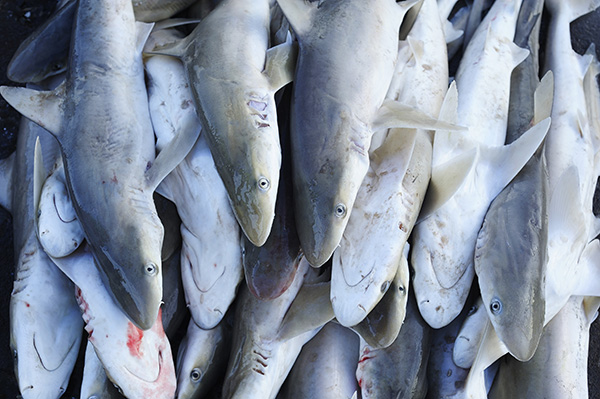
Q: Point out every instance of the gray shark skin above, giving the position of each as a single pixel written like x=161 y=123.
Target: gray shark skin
x=45 y=330
x=559 y=368
x=511 y=256
x=95 y=383
x=108 y=153
x=511 y=250
x=400 y=370
x=202 y=359
x=45 y=52
x=270 y=269
x=325 y=367
x=268 y=335
x=335 y=100
x=524 y=78
x=236 y=106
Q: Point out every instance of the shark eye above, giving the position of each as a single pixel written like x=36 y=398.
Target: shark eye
x=340 y=210
x=472 y=310
x=496 y=306
x=15 y=355
x=195 y=374
x=150 y=269
x=264 y=184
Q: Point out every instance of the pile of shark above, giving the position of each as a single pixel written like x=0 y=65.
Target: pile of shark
x=294 y=199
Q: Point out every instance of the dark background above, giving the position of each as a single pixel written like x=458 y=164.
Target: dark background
x=19 y=18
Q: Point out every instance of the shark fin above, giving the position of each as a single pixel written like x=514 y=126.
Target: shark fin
x=174 y=22
x=39 y=176
x=443 y=140
x=173 y=153
x=451 y=33
x=394 y=114
x=400 y=144
x=590 y=307
x=6 y=181
x=310 y=309
x=519 y=54
x=410 y=12
x=281 y=63
x=490 y=350
x=501 y=164
x=143 y=31
x=42 y=107
x=589 y=270
x=299 y=13
x=59 y=230
x=175 y=49
x=446 y=179
x=417 y=49
x=543 y=97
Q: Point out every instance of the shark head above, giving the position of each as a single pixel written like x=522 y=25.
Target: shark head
x=140 y=364
x=250 y=168
x=211 y=272
x=45 y=330
x=510 y=266
x=200 y=360
x=327 y=180
x=129 y=260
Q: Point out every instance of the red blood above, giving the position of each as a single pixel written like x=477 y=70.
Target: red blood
x=360 y=382
x=27 y=304
x=134 y=340
x=365 y=358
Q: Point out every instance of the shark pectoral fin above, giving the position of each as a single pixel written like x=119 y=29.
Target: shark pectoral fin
x=445 y=181
x=59 y=230
x=164 y=189
x=42 y=107
x=589 y=270
x=299 y=13
x=490 y=350
x=397 y=142
x=310 y=309
x=443 y=140
x=175 y=49
x=173 y=153
x=417 y=48
x=394 y=114
x=519 y=54
x=6 y=181
x=281 y=63
x=410 y=12
x=39 y=175
x=451 y=33
x=499 y=165
x=143 y=31
x=543 y=98
x=590 y=307
x=174 y=22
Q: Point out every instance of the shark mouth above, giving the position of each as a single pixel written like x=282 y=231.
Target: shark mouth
x=160 y=361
